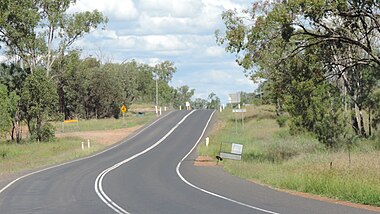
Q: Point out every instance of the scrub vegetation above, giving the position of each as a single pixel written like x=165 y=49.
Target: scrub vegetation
x=272 y=156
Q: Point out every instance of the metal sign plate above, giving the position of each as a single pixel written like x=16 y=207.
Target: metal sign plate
x=230 y=156
x=239 y=110
x=234 y=98
x=237 y=149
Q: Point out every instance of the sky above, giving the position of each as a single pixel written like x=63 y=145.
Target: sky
x=181 y=31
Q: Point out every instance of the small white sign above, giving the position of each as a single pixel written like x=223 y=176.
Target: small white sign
x=230 y=156
x=237 y=149
x=187 y=104
x=239 y=110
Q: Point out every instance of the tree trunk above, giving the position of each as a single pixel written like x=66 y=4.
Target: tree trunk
x=362 y=129
x=278 y=107
x=39 y=129
x=354 y=120
x=13 y=131
x=369 y=122
x=17 y=128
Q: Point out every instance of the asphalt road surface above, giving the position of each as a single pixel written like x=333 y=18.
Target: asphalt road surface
x=152 y=173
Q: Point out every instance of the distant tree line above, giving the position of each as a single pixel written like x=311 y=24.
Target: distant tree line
x=320 y=59
x=44 y=79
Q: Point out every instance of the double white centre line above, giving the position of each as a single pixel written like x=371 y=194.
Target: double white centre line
x=99 y=179
x=108 y=201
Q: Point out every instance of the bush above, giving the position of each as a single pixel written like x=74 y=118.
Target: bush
x=116 y=111
x=48 y=132
x=281 y=120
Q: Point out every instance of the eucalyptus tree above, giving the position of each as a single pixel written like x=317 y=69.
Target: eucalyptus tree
x=38 y=98
x=343 y=35
x=40 y=31
x=213 y=101
x=182 y=95
x=13 y=77
x=6 y=119
x=163 y=74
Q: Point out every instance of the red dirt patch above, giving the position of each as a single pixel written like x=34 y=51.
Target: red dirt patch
x=204 y=161
x=105 y=137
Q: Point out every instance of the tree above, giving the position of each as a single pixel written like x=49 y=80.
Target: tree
x=182 y=95
x=40 y=31
x=213 y=101
x=199 y=103
x=163 y=73
x=300 y=46
x=13 y=77
x=5 y=105
x=39 y=98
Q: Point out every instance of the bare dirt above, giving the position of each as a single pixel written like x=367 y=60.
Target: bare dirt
x=204 y=161
x=105 y=137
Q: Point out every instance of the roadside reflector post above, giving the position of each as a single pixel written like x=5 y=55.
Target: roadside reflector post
x=88 y=143
x=207 y=141
x=165 y=108
x=220 y=109
x=180 y=107
x=82 y=145
x=160 y=111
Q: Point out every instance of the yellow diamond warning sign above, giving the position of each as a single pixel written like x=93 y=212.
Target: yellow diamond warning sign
x=123 y=109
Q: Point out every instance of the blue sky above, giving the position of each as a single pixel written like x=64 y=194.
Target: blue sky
x=181 y=31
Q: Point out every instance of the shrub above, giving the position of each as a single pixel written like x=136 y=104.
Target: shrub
x=48 y=132
x=281 y=120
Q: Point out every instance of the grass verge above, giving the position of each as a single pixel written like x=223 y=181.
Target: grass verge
x=32 y=155
x=272 y=156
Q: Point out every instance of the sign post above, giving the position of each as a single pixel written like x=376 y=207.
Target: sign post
x=234 y=99
x=242 y=111
x=123 y=109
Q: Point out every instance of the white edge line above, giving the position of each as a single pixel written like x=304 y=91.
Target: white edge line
x=206 y=191
x=80 y=159
x=99 y=179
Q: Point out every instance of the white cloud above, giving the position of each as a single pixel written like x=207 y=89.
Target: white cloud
x=114 y=9
x=215 y=51
x=175 y=8
x=182 y=31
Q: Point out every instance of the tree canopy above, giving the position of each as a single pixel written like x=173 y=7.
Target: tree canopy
x=320 y=60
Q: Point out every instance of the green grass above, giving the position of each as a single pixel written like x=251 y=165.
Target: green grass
x=32 y=155
x=130 y=120
x=18 y=157
x=272 y=156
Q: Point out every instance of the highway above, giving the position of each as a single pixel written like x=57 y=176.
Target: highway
x=152 y=172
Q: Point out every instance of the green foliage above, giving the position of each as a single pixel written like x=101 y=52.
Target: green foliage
x=317 y=68
x=199 y=103
x=48 y=132
x=281 y=120
x=213 y=101
x=38 y=98
x=182 y=95
x=6 y=120
x=35 y=28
